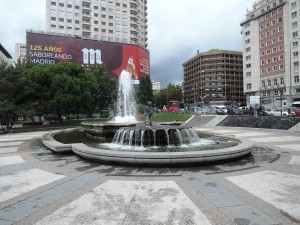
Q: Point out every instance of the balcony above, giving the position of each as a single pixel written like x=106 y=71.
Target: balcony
x=86 y=1
x=134 y=18
x=133 y=24
x=86 y=8
x=134 y=11
x=133 y=3
x=86 y=22
x=133 y=32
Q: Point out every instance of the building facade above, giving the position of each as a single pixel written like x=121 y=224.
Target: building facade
x=5 y=56
x=155 y=86
x=271 y=52
x=122 y=21
x=20 y=51
x=214 y=76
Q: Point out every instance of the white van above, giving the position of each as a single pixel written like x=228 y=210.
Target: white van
x=221 y=107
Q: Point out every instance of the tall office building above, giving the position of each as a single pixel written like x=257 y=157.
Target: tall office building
x=106 y=20
x=271 y=52
x=215 y=76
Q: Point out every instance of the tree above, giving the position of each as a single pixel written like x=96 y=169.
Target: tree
x=145 y=91
x=106 y=89
x=172 y=92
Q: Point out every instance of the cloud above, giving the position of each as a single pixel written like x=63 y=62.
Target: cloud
x=18 y=15
x=177 y=29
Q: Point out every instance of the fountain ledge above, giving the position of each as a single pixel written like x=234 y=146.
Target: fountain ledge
x=150 y=158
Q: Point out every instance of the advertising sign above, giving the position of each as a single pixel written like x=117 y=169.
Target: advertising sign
x=254 y=100
x=48 y=49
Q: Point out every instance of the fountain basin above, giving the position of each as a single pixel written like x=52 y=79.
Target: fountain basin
x=155 y=158
x=103 y=131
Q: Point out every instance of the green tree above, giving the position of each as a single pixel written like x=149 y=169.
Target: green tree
x=172 y=92
x=145 y=91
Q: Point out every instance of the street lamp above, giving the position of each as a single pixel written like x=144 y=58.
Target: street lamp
x=291 y=66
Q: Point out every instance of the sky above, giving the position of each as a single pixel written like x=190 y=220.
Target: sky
x=176 y=30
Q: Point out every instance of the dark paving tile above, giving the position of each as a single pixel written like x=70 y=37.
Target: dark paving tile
x=248 y=215
x=20 y=210
x=72 y=185
x=5 y=222
x=49 y=196
x=224 y=199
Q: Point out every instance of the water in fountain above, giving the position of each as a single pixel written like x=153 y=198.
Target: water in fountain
x=157 y=138
x=126 y=104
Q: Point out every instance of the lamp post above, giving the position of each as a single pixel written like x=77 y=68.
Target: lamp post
x=291 y=66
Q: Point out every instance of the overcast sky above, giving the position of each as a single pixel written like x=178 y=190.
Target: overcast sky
x=176 y=29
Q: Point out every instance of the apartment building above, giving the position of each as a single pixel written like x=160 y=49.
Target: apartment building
x=214 y=76
x=106 y=20
x=20 y=51
x=271 y=52
x=4 y=55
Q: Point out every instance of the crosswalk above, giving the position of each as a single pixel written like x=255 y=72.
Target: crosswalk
x=31 y=188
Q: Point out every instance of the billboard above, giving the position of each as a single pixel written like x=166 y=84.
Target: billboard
x=49 y=49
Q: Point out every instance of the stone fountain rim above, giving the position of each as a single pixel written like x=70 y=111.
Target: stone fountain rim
x=150 y=158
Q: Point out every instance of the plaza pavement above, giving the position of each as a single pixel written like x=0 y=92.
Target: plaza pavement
x=40 y=187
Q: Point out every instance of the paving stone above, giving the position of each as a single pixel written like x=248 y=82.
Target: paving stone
x=5 y=222
x=248 y=215
x=73 y=185
x=49 y=196
x=20 y=210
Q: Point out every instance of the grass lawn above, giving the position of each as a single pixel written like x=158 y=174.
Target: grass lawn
x=170 y=117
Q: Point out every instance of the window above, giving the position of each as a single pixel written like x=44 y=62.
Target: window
x=296 y=64
x=103 y=23
x=279 y=10
x=95 y=29
x=262 y=44
x=262 y=62
x=281 y=67
x=111 y=31
x=247 y=41
x=294 y=24
x=248 y=49
x=275 y=68
x=274 y=49
x=103 y=30
x=53 y=18
x=248 y=65
x=263 y=83
x=248 y=57
x=280 y=38
x=274 y=40
x=274 y=59
x=61 y=19
x=279 y=19
x=247 y=33
x=295 y=54
x=273 y=31
x=249 y=86
x=125 y=5
x=268 y=60
x=263 y=71
x=273 y=22
x=61 y=4
x=262 y=53
x=268 y=34
x=267 y=24
x=61 y=27
x=275 y=81
x=111 y=17
x=281 y=81
x=96 y=14
x=53 y=25
x=269 y=70
x=273 y=13
x=295 y=34
x=268 y=43
x=296 y=79
x=294 y=4
x=261 y=27
x=111 y=24
x=69 y=6
x=294 y=15
x=248 y=74
x=281 y=57
x=76 y=7
x=281 y=48
x=280 y=29
x=103 y=16
x=53 y=3
x=269 y=83
x=95 y=7
x=268 y=52
x=69 y=20
x=262 y=36
x=295 y=44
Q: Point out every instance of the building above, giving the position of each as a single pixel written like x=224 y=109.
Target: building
x=271 y=52
x=5 y=56
x=107 y=20
x=155 y=87
x=20 y=51
x=215 y=76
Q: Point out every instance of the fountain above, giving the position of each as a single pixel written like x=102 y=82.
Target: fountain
x=124 y=140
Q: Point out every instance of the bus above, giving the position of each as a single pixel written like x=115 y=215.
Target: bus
x=296 y=108
x=173 y=106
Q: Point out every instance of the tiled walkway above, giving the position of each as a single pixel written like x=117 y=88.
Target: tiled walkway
x=40 y=187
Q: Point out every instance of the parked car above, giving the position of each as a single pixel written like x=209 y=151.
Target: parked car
x=220 y=111
x=222 y=107
x=232 y=111
x=278 y=112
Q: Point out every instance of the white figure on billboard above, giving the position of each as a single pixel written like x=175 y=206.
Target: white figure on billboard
x=131 y=68
x=91 y=55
